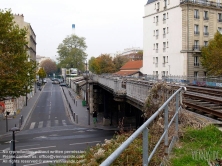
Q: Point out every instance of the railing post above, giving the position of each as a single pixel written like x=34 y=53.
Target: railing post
x=145 y=146
x=166 y=129
x=177 y=111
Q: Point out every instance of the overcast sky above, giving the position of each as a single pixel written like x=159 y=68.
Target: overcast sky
x=108 y=26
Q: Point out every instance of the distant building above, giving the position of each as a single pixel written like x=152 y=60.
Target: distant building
x=131 y=53
x=175 y=31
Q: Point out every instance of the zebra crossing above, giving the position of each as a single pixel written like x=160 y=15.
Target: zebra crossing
x=48 y=123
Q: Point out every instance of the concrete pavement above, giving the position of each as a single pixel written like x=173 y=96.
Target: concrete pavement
x=79 y=114
x=73 y=108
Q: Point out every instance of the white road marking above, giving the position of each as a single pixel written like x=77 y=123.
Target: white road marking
x=85 y=143
x=64 y=122
x=40 y=124
x=56 y=122
x=32 y=125
x=48 y=123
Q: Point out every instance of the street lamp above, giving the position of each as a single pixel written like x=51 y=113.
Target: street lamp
x=13 y=161
x=86 y=77
x=6 y=116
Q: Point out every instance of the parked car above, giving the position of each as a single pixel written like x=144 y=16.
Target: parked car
x=63 y=84
x=44 y=81
x=55 y=82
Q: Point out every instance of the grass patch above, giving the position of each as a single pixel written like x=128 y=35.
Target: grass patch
x=198 y=147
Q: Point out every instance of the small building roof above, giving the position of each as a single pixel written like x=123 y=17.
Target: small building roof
x=126 y=73
x=135 y=65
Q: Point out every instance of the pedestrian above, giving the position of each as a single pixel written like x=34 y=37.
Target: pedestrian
x=94 y=117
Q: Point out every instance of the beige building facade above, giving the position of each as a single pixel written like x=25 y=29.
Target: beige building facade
x=174 y=33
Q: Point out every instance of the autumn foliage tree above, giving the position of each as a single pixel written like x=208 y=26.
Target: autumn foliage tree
x=119 y=61
x=102 y=64
x=41 y=73
x=49 y=66
x=211 y=56
x=17 y=72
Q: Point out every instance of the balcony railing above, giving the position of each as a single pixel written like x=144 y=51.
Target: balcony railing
x=196 y=64
x=201 y=2
x=157 y=23
x=196 y=16
x=164 y=49
x=196 y=48
x=157 y=36
x=164 y=35
x=196 y=32
x=206 y=18
x=156 y=50
x=220 y=20
x=164 y=20
x=206 y=33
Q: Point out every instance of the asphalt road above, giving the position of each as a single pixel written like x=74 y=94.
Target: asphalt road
x=49 y=135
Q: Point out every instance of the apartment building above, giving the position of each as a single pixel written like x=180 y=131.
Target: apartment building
x=174 y=33
x=31 y=37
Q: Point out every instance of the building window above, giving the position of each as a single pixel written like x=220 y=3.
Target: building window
x=196 y=74
x=206 y=33
x=154 y=60
x=164 y=32
x=164 y=46
x=167 y=16
x=165 y=4
x=196 y=45
x=154 y=46
x=206 y=15
x=164 y=18
x=205 y=43
x=219 y=17
x=167 y=30
x=196 y=61
x=196 y=29
x=196 y=13
x=220 y=29
x=154 y=33
x=157 y=19
x=167 y=44
x=157 y=33
x=158 y=6
x=154 y=19
x=164 y=59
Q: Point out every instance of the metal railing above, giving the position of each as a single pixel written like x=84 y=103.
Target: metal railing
x=144 y=129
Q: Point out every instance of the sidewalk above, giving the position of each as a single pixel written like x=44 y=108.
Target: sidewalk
x=82 y=113
x=25 y=112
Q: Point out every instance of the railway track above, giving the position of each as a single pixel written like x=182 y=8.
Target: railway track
x=205 y=101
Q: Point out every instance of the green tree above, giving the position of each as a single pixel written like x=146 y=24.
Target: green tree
x=41 y=73
x=211 y=56
x=49 y=66
x=15 y=68
x=72 y=52
x=119 y=61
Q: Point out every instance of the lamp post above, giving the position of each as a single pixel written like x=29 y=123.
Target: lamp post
x=6 y=116
x=13 y=161
x=86 y=77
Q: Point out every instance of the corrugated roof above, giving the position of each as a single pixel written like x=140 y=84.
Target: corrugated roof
x=151 y=1
x=135 y=65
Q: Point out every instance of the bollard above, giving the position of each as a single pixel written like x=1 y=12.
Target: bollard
x=20 y=122
x=21 y=119
x=76 y=118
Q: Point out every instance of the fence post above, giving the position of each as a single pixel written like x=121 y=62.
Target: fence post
x=177 y=111
x=145 y=146
x=166 y=129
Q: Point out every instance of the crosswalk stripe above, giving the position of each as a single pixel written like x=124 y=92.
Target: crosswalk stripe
x=40 y=124
x=64 y=123
x=48 y=123
x=32 y=125
x=56 y=122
